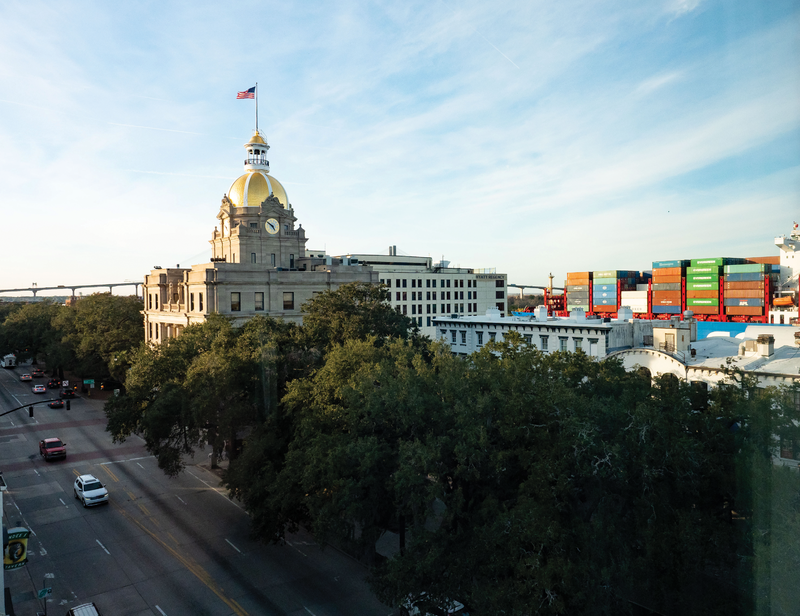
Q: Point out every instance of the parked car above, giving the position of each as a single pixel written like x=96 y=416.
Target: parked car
x=38 y=389
x=50 y=448
x=67 y=393
x=37 y=373
x=56 y=404
x=90 y=491
x=53 y=384
x=26 y=377
x=87 y=609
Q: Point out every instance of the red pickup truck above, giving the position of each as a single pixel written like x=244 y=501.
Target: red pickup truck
x=50 y=448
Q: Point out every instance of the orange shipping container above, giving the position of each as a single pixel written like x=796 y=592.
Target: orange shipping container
x=770 y=260
x=667 y=271
x=666 y=294
x=745 y=293
x=756 y=284
x=577 y=281
x=665 y=279
x=604 y=308
x=745 y=310
x=581 y=275
x=702 y=293
x=704 y=309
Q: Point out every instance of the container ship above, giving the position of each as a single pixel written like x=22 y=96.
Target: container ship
x=724 y=289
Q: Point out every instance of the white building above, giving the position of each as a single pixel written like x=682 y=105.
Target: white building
x=423 y=290
x=259 y=262
x=595 y=337
x=787 y=297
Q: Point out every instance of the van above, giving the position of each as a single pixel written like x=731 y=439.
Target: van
x=87 y=609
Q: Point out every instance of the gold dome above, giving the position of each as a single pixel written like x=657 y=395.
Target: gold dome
x=257 y=138
x=250 y=190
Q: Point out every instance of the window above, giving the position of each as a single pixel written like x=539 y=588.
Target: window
x=254 y=225
x=151 y=330
x=461 y=284
x=252 y=257
x=492 y=335
x=272 y=259
x=562 y=343
x=236 y=302
x=527 y=338
x=498 y=295
x=413 y=309
x=461 y=307
x=448 y=283
x=428 y=309
x=404 y=283
x=463 y=337
x=419 y=309
x=286 y=228
x=442 y=308
x=444 y=333
x=498 y=283
x=288 y=300
x=259 y=300
x=461 y=295
x=398 y=282
x=434 y=283
x=381 y=280
x=389 y=282
x=156 y=303
x=448 y=295
x=150 y=301
x=543 y=342
x=434 y=296
x=419 y=321
x=397 y=295
x=480 y=337
x=500 y=307
x=291 y=261
x=433 y=306
x=578 y=344
x=448 y=307
x=419 y=282
x=413 y=284
x=405 y=296
x=429 y=322
x=191 y=302
x=405 y=309
x=453 y=336
x=200 y=296
x=469 y=284
x=428 y=295
x=428 y=282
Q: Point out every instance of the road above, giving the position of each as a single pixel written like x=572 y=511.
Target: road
x=162 y=546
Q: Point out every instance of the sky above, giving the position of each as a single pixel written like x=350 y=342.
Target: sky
x=532 y=137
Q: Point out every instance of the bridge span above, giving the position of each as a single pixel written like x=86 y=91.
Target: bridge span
x=63 y=287
x=522 y=287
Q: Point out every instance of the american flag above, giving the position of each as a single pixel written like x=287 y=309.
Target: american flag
x=251 y=93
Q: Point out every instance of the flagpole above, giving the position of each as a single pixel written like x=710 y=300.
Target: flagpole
x=256 y=106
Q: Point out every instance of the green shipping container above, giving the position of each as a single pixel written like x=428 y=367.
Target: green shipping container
x=746 y=268
x=705 y=269
x=702 y=286
x=702 y=278
x=702 y=301
x=605 y=280
x=718 y=261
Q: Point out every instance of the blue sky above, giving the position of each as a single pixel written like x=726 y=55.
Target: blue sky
x=533 y=137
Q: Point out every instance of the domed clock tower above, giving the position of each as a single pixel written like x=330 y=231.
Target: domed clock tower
x=257 y=223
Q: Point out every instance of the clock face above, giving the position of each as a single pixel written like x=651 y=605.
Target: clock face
x=272 y=226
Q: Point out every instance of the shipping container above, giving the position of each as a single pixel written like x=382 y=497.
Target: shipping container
x=745 y=293
x=580 y=298
x=634 y=295
x=642 y=287
x=679 y=263
x=670 y=286
x=604 y=301
x=666 y=301
x=605 y=287
x=702 y=286
x=604 y=308
x=670 y=294
x=700 y=293
x=705 y=309
x=667 y=271
x=744 y=301
x=745 y=310
x=707 y=269
x=744 y=277
x=667 y=309
x=577 y=288
x=702 y=301
x=744 y=285
x=667 y=279
x=579 y=275
x=702 y=278
x=747 y=268
x=770 y=260
x=605 y=295
x=718 y=261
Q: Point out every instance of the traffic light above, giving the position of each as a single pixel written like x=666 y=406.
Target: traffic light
x=67 y=404
x=30 y=411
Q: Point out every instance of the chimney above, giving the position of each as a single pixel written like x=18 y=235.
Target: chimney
x=766 y=345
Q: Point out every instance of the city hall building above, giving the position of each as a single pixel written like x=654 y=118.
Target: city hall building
x=260 y=265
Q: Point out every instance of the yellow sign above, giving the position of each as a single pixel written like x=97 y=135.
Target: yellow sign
x=16 y=554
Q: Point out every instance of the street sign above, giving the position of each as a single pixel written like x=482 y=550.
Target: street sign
x=44 y=592
x=88 y=382
x=65 y=383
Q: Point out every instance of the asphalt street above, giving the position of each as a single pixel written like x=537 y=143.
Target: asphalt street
x=161 y=546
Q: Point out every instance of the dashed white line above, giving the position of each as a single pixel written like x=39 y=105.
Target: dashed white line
x=309 y=611
x=180 y=499
x=62 y=502
x=162 y=611
x=139 y=465
x=128 y=460
x=37 y=472
x=214 y=489
x=102 y=546
x=234 y=547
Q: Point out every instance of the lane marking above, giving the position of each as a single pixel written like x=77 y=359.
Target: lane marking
x=180 y=499
x=63 y=503
x=126 y=460
x=200 y=573
x=102 y=546
x=139 y=465
x=110 y=474
x=37 y=473
x=173 y=538
x=144 y=509
x=130 y=495
x=162 y=611
x=309 y=611
x=216 y=490
x=234 y=547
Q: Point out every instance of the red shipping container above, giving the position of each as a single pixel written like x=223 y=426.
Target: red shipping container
x=665 y=279
x=745 y=310
x=737 y=284
x=702 y=293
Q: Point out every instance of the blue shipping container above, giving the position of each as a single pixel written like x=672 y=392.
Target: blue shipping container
x=605 y=287
x=744 y=301
x=667 y=309
x=673 y=263
x=744 y=277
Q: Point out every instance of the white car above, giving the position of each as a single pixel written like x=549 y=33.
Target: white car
x=90 y=491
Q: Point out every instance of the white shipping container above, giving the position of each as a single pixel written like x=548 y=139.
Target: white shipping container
x=634 y=295
x=639 y=309
x=641 y=287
